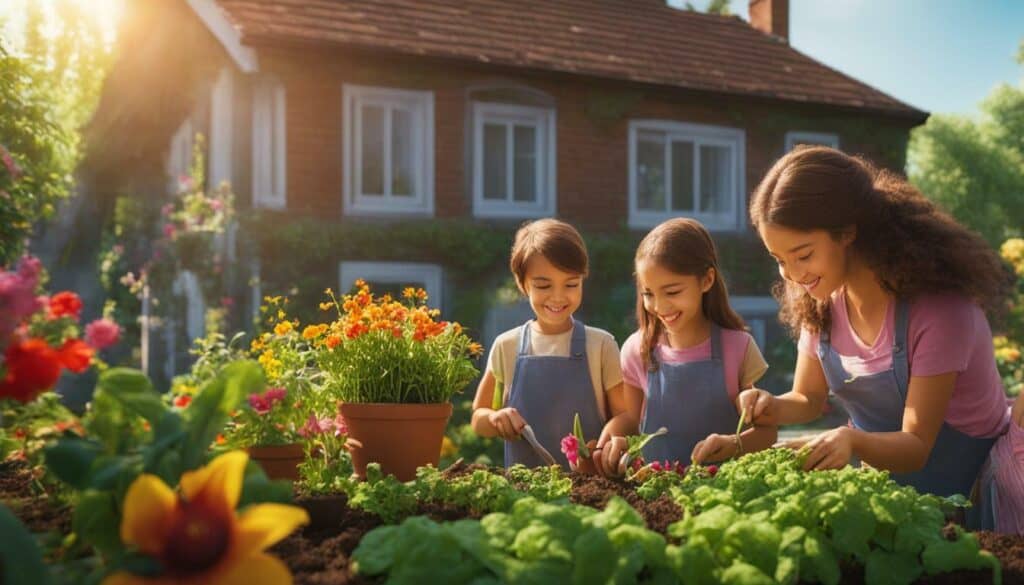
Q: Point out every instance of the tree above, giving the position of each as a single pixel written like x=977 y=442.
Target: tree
x=974 y=166
x=49 y=84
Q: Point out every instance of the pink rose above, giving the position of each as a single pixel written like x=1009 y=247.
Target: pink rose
x=169 y=231
x=571 y=449
x=258 y=403
x=102 y=333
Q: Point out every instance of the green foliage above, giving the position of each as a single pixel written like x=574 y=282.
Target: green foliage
x=20 y=558
x=49 y=86
x=974 y=166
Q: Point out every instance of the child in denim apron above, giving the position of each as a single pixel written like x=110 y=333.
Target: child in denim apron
x=887 y=294
x=552 y=367
x=691 y=355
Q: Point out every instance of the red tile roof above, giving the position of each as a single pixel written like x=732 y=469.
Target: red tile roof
x=642 y=41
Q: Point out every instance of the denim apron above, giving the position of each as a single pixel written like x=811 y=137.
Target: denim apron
x=691 y=401
x=548 y=391
x=875 y=403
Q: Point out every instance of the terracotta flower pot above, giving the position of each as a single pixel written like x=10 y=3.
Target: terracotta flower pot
x=278 y=461
x=400 y=437
x=586 y=464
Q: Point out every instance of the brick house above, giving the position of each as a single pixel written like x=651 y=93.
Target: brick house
x=611 y=114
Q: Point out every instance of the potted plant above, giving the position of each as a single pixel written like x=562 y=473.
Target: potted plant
x=394 y=368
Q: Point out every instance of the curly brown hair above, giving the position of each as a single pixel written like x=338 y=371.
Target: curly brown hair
x=911 y=246
x=683 y=246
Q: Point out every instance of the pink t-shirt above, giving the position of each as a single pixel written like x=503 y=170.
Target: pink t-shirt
x=734 y=350
x=946 y=333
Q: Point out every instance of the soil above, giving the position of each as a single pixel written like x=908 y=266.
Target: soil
x=36 y=510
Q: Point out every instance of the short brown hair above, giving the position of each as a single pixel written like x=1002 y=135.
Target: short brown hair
x=555 y=240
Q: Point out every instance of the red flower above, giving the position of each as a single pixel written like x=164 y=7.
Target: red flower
x=65 y=303
x=571 y=448
x=713 y=470
x=32 y=368
x=182 y=401
x=75 y=355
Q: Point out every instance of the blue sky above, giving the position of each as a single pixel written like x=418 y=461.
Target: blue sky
x=943 y=56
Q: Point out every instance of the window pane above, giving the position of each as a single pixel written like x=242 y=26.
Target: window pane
x=525 y=163
x=650 y=171
x=372 y=144
x=495 y=161
x=715 y=183
x=401 y=153
x=682 y=176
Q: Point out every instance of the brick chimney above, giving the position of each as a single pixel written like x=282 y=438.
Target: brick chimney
x=771 y=16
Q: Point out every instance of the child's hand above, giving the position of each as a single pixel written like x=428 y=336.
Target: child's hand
x=757 y=407
x=608 y=453
x=715 y=448
x=507 y=422
x=1017 y=412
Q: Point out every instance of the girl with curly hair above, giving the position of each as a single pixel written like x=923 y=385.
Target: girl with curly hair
x=887 y=295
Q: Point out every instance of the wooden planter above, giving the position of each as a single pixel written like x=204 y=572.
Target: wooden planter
x=400 y=437
x=278 y=461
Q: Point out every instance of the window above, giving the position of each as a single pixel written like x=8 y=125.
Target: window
x=757 y=312
x=690 y=170
x=814 y=138
x=269 y=185
x=392 y=277
x=513 y=160
x=179 y=156
x=389 y=151
x=221 y=128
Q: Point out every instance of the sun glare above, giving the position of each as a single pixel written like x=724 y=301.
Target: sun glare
x=106 y=14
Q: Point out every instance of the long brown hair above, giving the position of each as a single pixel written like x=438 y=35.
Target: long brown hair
x=682 y=246
x=911 y=246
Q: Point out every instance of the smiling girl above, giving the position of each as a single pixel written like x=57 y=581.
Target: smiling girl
x=553 y=366
x=685 y=366
x=886 y=293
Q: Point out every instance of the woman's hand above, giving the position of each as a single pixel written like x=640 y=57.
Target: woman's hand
x=714 y=448
x=608 y=453
x=829 y=450
x=757 y=407
x=507 y=422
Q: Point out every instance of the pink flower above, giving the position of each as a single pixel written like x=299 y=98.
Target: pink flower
x=167 y=209
x=169 y=230
x=216 y=204
x=29 y=268
x=102 y=333
x=275 y=395
x=227 y=302
x=315 y=426
x=185 y=183
x=258 y=403
x=713 y=470
x=17 y=296
x=656 y=466
x=571 y=448
x=340 y=427
x=12 y=167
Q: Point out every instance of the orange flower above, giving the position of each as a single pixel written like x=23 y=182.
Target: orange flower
x=196 y=535
x=75 y=355
x=475 y=348
x=333 y=341
x=312 y=331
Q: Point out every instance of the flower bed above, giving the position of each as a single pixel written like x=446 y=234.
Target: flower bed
x=323 y=552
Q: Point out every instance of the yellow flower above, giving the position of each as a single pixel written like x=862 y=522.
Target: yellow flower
x=475 y=348
x=283 y=328
x=185 y=389
x=1012 y=251
x=326 y=306
x=196 y=535
x=281 y=314
x=448 y=447
x=311 y=331
x=408 y=292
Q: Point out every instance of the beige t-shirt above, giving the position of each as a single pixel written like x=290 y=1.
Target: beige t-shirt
x=602 y=358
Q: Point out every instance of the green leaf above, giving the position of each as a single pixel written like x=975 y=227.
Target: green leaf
x=693 y=562
x=891 y=568
x=20 y=558
x=376 y=551
x=71 y=460
x=133 y=390
x=212 y=407
x=819 y=562
x=594 y=557
x=852 y=525
x=257 y=488
x=755 y=542
x=740 y=573
x=96 y=521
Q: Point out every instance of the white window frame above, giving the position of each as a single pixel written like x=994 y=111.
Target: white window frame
x=269 y=144
x=699 y=135
x=796 y=137
x=179 y=156
x=222 y=128
x=421 y=105
x=394 y=273
x=542 y=120
x=756 y=310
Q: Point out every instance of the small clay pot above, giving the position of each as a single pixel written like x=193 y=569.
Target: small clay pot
x=278 y=461
x=401 y=437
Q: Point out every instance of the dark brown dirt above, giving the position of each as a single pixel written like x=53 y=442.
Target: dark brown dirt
x=37 y=511
x=595 y=491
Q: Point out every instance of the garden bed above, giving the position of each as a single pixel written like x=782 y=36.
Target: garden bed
x=321 y=553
